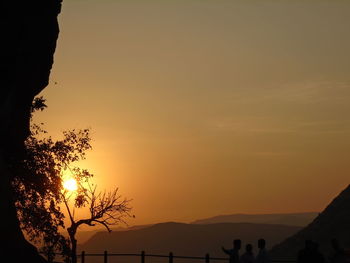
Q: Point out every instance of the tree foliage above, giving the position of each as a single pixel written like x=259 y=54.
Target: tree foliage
x=39 y=194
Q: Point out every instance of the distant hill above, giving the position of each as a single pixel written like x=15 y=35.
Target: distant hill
x=293 y=219
x=185 y=239
x=84 y=235
x=333 y=222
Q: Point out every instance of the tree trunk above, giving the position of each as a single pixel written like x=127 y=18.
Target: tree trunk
x=74 y=250
x=72 y=232
x=29 y=31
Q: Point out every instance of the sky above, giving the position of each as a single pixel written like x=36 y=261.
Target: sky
x=207 y=107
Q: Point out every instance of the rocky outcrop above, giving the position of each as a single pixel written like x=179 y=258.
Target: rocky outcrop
x=29 y=31
x=333 y=222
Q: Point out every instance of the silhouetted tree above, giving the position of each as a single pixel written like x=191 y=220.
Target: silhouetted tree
x=39 y=193
x=37 y=182
x=105 y=208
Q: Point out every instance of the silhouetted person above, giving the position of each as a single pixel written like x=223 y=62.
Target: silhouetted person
x=310 y=254
x=316 y=254
x=234 y=252
x=304 y=255
x=338 y=255
x=248 y=256
x=263 y=256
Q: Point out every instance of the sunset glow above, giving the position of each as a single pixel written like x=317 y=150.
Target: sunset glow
x=70 y=184
x=222 y=106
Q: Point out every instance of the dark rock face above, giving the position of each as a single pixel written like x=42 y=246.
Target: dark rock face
x=29 y=32
x=333 y=222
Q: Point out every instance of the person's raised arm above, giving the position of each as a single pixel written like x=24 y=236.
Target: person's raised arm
x=226 y=250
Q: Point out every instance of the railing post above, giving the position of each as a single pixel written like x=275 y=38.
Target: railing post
x=171 y=257
x=207 y=258
x=105 y=256
x=143 y=256
x=83 y=257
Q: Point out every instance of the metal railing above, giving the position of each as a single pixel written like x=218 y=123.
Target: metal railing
x=142 y=257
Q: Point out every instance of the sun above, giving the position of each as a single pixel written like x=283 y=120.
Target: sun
x=70 y=184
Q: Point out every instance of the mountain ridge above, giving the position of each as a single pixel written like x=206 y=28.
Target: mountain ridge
x=296 y=219
x=283 y=219
x=185 y=239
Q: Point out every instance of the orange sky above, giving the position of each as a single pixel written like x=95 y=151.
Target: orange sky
x=200 y=108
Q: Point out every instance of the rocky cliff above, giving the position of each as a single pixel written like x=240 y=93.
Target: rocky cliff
x=29 y=31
